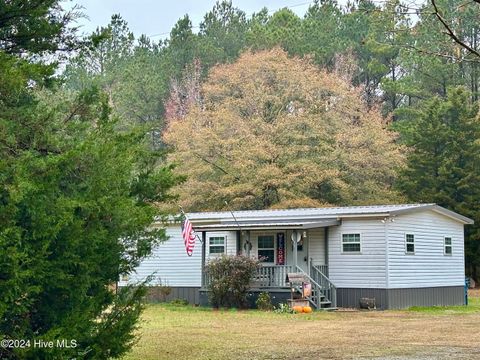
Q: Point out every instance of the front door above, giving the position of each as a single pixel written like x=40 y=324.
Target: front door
x=302 y=249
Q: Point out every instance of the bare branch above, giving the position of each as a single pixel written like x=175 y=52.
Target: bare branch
x=451 y=33
x=438 y=54
x=215 y=165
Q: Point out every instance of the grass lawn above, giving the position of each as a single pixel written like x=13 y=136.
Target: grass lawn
x=169 y=332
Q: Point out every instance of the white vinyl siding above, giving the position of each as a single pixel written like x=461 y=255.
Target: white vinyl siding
x=316 y=243
x=358 y=270
x=169 y=263
x=429 y=267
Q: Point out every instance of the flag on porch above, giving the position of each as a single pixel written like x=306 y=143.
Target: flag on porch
x=188 y=235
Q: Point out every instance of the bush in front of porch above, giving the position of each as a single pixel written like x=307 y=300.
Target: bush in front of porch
x=229 y=280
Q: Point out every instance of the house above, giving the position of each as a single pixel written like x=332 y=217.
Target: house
x=400 y=255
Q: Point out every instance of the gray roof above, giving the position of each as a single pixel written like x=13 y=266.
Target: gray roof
x=266 y=225
x=275 y=215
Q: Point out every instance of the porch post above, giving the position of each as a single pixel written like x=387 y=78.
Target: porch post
x=309 y=259
x=248 y=243
x=295 y=249
x=325 y=232
x=239 y=242
x=204 y=246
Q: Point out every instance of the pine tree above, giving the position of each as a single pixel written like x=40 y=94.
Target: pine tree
x=443 y=166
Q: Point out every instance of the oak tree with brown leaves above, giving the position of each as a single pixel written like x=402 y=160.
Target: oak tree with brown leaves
x=275 y=131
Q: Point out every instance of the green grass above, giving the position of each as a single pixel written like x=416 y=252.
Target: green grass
x=185 y=332
x=472 y=307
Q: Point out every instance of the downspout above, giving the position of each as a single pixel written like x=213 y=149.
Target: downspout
x=295 y=249
x=204 y=246
x=248 y=244
x=387 y=280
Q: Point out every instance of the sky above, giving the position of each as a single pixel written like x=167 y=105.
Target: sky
x=156 y=18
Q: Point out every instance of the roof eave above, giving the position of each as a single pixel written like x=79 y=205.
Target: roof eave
x=293 y=218
x=437 y=208
x=260 y=226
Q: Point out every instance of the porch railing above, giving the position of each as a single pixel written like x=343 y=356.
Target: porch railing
x=267 y=276
x=320 y=267
x=324 y=293
x=327 y=289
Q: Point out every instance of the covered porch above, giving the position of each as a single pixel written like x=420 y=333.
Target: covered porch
x=282 y=246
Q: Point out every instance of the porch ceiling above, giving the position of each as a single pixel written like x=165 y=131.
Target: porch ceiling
x=267 y=225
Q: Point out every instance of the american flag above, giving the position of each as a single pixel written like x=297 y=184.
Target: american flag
x=188 y=236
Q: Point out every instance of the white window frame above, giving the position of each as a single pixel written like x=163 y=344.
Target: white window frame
x=216 y=245
x=351 y=242
x=406 y=244
x=274 y=249
x=445 y=246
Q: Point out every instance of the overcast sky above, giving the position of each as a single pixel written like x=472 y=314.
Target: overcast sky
x=156 y=18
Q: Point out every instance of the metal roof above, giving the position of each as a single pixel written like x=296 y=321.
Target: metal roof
x=312 y=214
x=284 y=225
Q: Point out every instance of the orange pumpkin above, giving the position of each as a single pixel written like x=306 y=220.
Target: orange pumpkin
x=297 y=309
x=307 y=309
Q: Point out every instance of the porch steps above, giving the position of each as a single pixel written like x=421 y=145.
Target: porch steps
x=320 y=304
x=325 y=286
x=323 y=292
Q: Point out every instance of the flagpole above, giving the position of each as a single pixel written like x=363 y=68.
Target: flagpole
x=238 y=225
x=234 y=218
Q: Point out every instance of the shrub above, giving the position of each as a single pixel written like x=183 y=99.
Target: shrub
x=264 y=302
x=230 y=277
x=179 y=302
x=164 y=290
x=283 y=309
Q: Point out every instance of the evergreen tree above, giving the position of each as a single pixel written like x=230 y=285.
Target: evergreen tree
x=36 y=27
x=443 y=164
x=76 y=202
x=323 y=32
x=222 y=33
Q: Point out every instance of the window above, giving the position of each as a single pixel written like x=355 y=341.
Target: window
x=351 y=243
x=266 y=248
x=409 y=243
x=217 y=244
x=447 y=245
